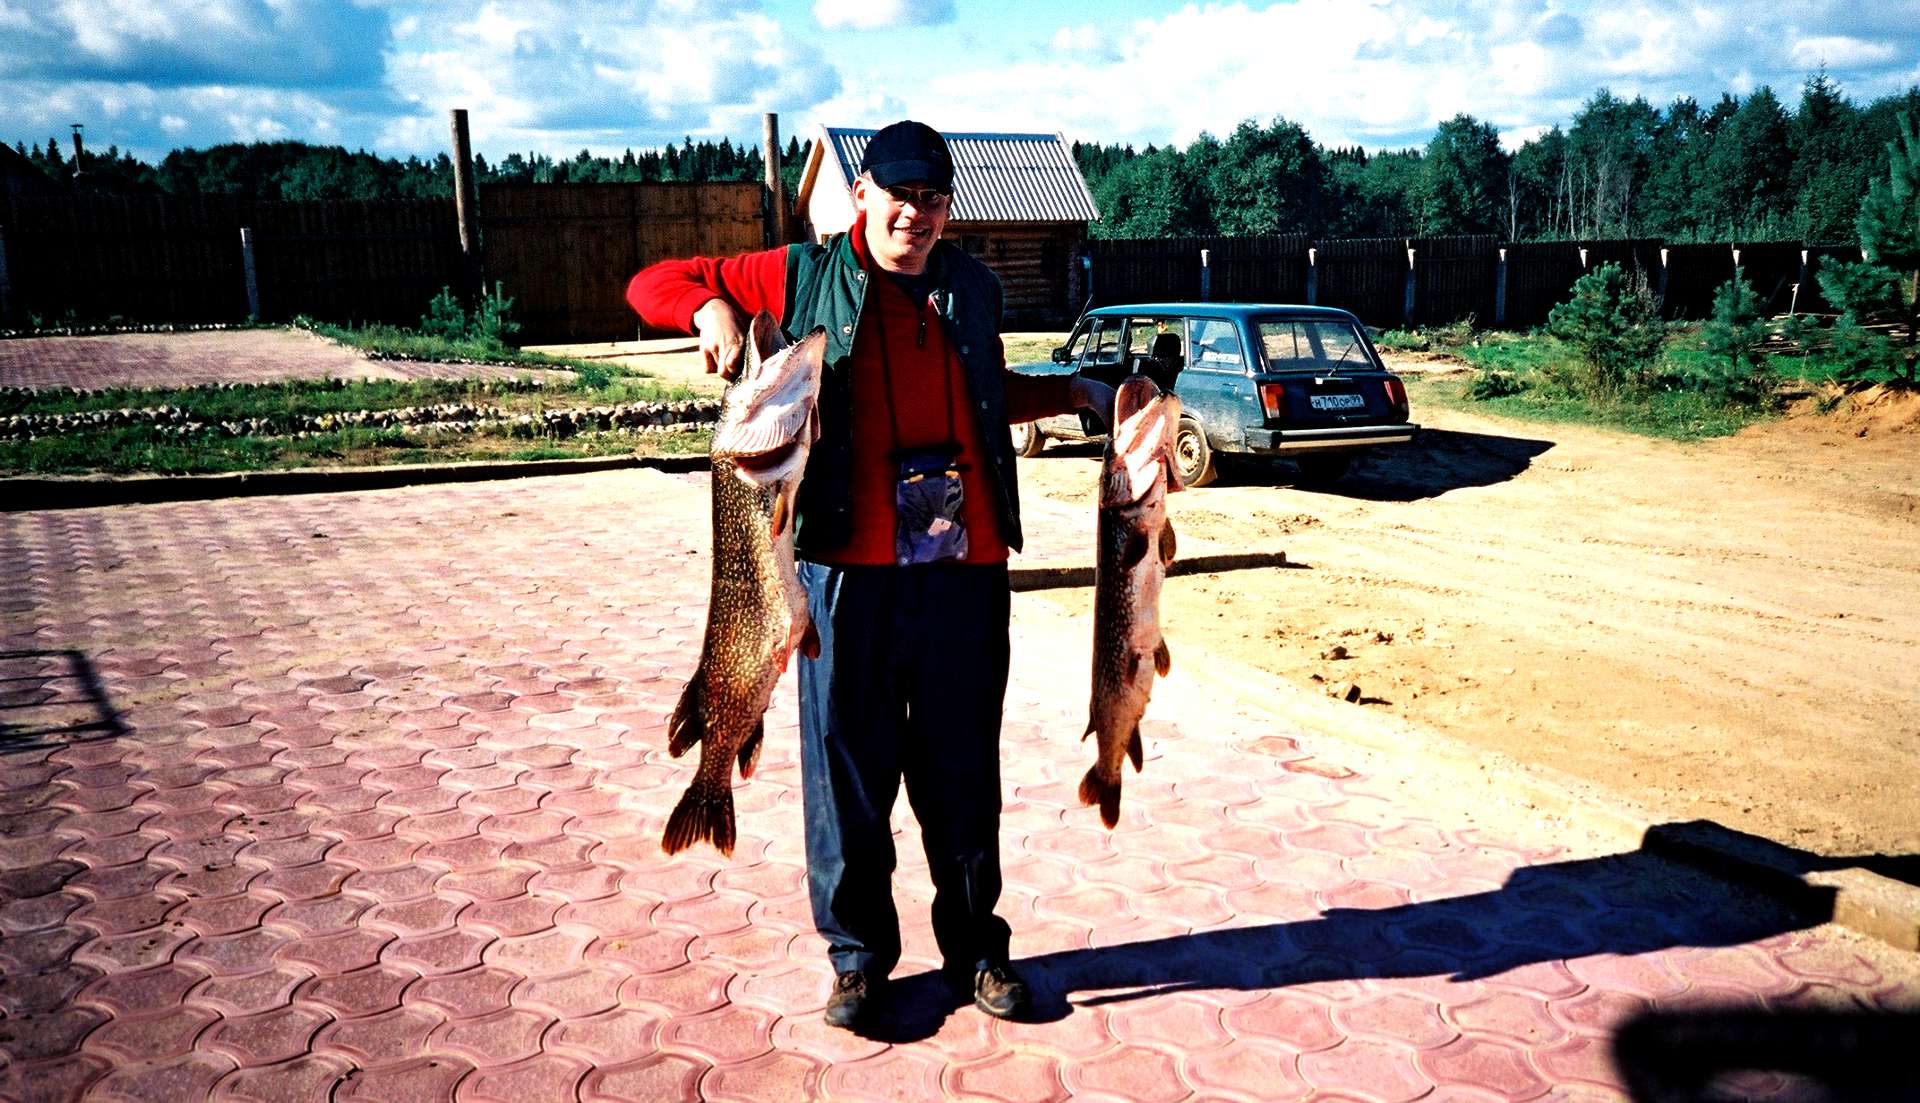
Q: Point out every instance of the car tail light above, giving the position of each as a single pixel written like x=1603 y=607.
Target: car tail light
x=1273 y=400
x=1396 y=394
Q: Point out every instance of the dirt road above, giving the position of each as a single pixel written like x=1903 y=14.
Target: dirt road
x=1728 y=630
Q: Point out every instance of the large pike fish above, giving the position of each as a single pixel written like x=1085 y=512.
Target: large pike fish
x=757 y=614
x=1136 y=547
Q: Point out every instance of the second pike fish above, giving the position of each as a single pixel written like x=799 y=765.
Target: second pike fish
x=757 y=614
x=1136 y=547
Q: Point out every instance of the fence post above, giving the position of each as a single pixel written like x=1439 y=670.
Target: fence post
x=1793 y=306
x=246 y=265
x=466 y=206
x=1206 y=277
x=1500 y=289
x=776 y=197
x=1313 y=275
x=1406 y=302
x=6 y=283
x=1660 y=293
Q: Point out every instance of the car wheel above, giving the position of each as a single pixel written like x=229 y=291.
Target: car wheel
x=1323 y=469
x=1193 y=455
x=1028 y=440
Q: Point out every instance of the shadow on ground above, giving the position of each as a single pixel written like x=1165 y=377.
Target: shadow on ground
x=1437 y=461
x=1623 y=904
x=1716 y=1052
x=53 y=699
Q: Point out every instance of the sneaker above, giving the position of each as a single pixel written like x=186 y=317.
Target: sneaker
x=999 y=991
x=849 y=1000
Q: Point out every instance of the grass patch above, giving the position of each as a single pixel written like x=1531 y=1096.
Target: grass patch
x=1036 y=349
x=140 y=449
x=1670 y=415
x=399 y=343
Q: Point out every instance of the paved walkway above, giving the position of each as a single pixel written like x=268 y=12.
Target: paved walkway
x=208 y=357
x=359 y=797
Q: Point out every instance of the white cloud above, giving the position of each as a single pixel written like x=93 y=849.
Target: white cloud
x=1842 y=52
x=874 y=15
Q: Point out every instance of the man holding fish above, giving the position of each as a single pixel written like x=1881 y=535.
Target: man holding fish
x=901 y=531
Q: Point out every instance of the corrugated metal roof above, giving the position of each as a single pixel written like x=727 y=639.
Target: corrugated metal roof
x=997 y=177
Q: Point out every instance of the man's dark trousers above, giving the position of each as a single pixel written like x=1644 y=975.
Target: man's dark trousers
x=909 y=684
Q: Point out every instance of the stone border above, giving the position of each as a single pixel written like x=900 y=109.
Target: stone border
x=26 y=493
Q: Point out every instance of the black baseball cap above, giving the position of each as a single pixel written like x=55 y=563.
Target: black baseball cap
x=905 y=151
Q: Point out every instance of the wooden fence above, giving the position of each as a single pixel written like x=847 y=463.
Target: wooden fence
x=563 y=252
x=1393 y=282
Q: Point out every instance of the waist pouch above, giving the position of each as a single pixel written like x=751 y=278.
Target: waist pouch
x=927 y=500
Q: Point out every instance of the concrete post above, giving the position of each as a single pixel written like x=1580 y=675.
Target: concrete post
x=246 y=265
x=776 y=190
x=1406 y=304
x=1313 y=276
x=1206 y=277
x=1500 y=290
x=466 y=206
x=1660 y=292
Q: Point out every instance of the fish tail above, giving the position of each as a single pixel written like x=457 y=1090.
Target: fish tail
x=1104 y=792
x=705 y=812
x=689 y=722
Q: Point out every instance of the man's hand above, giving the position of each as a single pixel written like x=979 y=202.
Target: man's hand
x=723 y=337
x=1093 y=395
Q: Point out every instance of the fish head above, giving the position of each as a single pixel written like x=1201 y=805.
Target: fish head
x=769 y=418
x=1146 y=420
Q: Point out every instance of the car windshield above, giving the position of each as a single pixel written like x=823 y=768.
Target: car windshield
x=1315 y=346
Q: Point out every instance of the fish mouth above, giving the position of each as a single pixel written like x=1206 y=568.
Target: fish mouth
x=764 y=462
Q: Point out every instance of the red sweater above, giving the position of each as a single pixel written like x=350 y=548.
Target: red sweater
x=924 y=369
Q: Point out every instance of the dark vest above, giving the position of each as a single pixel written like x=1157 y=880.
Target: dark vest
x=827 y=287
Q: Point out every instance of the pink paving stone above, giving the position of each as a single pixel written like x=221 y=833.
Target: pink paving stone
x=384 y=852
x=156 y=1036
x=252 y=993
x=1173 y=1023
x=547 y=1076
x=47 y=1034
x=439 y=953
x=1012 y=1077
x=1737 y=968
x=1547 y=979
x=1249 y=1070
x=1131 y=1072
x=380 y=1039
x=191 y=1076
x=1483 y=1063
x=391 y=886
x=305 y=1077
x=1507 y=1013
x=1583 y=1058
x=315 y=918
x=578 y=885
x=223 y=915
x=552 y=851
x=731 y=1033
x=573 y=995
x=898 y=1074
x=305 y=882
x=521 y=915
x=339 y=953
x=608 y=1038
x=426 y=1079
x=156 y=989
x=371 y=824
x=61 y=1078
x=267 y=1038
x=659 y=1076
x=499 y=1038
x=548 y=953
x=1395 y=1016
x=424 y=915
x=769 y=1076
x=493 y=883
x=1303 y=1022
x=1380 y=1070
x=367 y=991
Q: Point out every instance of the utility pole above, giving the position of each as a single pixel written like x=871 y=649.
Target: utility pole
x=466 y=206
x=79 y=151
x=776 y=198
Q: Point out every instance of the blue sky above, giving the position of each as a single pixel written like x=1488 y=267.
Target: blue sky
x=556 y=77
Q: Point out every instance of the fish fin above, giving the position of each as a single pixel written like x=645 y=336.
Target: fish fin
x=1162 y=658
x=704 y=813
x=750 y=750
x=1134 y=750
x=1091 y=725
x=689 y=722
x=1095 y=789
x=810 y=642
x=1135 y=551
x=1166 y=545
x=780 y=508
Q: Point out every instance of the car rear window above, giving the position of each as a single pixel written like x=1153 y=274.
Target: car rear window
x=1216 y=344
x=1312 y=346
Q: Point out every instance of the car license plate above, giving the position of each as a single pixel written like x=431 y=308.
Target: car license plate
x=1337 y=402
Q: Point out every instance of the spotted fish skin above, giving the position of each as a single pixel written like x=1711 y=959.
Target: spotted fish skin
x=757 y=609
x=1136 y=545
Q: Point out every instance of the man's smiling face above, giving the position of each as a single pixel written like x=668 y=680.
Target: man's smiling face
x=900 y=235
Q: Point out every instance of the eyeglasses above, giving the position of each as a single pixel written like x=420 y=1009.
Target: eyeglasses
x=925 y=199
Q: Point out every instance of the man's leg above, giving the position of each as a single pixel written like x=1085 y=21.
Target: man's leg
x=850 y=720
x=956 y=680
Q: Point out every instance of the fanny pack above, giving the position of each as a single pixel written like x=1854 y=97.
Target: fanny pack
x=927 y=500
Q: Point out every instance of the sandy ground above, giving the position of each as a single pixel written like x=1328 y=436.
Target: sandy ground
x=1727 y=630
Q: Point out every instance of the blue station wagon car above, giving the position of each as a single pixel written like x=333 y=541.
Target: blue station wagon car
x=1303 y=382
